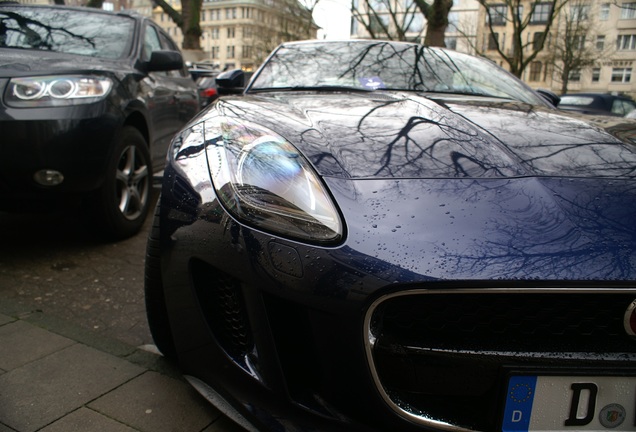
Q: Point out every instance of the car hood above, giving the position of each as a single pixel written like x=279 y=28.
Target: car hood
x=464 y=188
x=399 y=135
x=14 y=62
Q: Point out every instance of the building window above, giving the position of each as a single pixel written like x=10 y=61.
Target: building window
x=535 y=71
x=214 y=52
x=596 y=74
x=537 y=40
x=600 y=42
x=231 y=32
x=577 y=42
x=541 y=13
x=416 y=23
x=378 y=23
x=248 y=32
x=621 y=75
x=492 y=41
x=575 y=75
x=453 y=20
x=230 y=13
x=604 y=11
x=626 y=42
x=230 y=51
x=451 y=42
x=214 y=33
x=247 y=52
x=628 y=11
x=497 y=14
x=377 y=5
x=579 y=12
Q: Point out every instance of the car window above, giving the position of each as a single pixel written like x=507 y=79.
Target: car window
x=404 y=67
x=576 y=100
x=168 y=44
x=66 y=31
x=622 y=107
x=151 y=42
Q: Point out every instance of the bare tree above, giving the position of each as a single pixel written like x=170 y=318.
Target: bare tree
x=573 y=49
x=387 y=19
x=288 y=20
x=393 y=20
x=510 y=15
x=188 y=20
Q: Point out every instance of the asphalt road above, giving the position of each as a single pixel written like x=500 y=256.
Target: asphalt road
x=53 y=263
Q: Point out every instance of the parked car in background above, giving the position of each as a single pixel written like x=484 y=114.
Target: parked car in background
x=381 y=236
x=90 y=102
x=597 y=103
x=207 y=89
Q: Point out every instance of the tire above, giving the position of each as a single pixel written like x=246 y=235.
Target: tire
x=121 y=205
x=156 y=312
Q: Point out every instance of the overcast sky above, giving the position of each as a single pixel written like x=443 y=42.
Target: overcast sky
x=334 y=18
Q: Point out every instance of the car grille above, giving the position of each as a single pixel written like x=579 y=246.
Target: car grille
x=434 y=351
x=221 y=299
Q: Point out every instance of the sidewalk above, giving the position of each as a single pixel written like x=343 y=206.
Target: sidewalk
x=55 y=377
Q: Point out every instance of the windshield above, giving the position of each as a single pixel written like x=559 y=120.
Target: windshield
x=66 y=31
x=373 y=65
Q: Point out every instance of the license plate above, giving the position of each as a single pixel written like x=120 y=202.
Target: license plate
x=563 y=403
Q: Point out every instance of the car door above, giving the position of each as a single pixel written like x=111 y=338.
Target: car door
x=184 y=87
x=161 y=100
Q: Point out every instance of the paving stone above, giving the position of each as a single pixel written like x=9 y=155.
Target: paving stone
x=153 y=403
x=23 y=343
x=3 y=320
x=4 y=428
x=224 y=424
x=43 y=391
x=86 y=420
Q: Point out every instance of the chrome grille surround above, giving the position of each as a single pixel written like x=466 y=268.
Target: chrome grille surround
x=417 y=416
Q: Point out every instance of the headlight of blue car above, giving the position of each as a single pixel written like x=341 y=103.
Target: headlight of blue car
x=264 y=181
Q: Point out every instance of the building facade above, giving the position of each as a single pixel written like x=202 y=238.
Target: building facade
x=401 y=19
x=590 y=46
x=239 y=34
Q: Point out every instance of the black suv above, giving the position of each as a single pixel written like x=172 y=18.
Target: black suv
x=90 y=102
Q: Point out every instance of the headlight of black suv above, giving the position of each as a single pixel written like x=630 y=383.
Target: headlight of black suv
x=50 y=91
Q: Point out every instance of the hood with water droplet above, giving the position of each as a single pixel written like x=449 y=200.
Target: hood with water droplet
x=394 y=135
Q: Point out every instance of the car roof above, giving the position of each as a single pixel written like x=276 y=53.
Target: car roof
x=84 y=9
x=599 y=96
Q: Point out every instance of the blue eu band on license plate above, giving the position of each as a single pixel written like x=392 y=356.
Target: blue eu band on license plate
x=564 y=403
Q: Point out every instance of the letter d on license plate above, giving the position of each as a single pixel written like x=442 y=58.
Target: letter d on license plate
x=576 y=403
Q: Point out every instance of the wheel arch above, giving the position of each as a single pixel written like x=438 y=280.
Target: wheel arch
x=137 y=120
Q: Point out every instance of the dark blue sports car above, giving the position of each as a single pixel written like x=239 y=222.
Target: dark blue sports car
x=379 y=236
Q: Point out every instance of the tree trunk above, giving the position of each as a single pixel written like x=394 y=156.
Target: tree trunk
x=188 y=21
x=95 y=3
x=191 y=28
x=565 y=78
x=436 y=20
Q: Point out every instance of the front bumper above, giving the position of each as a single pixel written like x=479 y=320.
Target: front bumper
x=409 y=324
x=301 y=338
x=74 y=141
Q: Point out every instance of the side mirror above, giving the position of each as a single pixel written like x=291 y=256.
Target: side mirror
x=164 y=61
x=231 y=82
x=549 y=96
